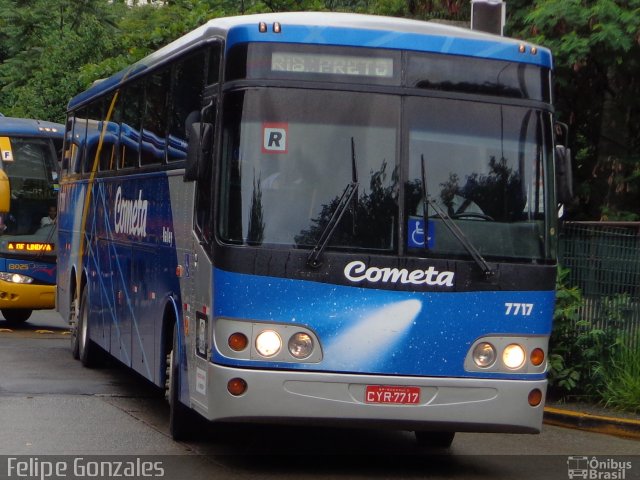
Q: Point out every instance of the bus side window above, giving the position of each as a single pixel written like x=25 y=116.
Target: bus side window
x=154 y=125
x=213 y=66
x=131 y=103
x=79 y=140
x=204 y=192
x=94 y=116
x=68 y=144
x=111 y=128
x=187 y=84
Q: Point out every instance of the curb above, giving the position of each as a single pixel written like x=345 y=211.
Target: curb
x=621 y=427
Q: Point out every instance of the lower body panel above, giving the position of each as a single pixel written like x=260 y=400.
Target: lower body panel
x=446 y=404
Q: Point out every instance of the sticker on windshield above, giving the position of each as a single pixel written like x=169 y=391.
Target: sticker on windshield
x=5 y=148
x=415 y=238
x=275 y=137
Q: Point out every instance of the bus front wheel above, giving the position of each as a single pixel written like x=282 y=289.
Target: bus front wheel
x=434 y=439
x=16 y=316
x=180 y=418
x=87 y=350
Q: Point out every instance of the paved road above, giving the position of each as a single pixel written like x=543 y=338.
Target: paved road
x=51 y=405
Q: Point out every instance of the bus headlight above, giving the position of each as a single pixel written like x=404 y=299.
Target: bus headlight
x=513 y=356
x=268 y=343
x=508 y=354
x=15 y=278
x=262 y=341
x=300 y=345
x=484 y=355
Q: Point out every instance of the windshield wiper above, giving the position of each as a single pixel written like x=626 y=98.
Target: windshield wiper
x=452 y=226
x=313 y=260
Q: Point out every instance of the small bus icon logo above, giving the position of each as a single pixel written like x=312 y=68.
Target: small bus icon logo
x=578 y=467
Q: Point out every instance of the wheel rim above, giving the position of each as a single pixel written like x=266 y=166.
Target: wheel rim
x=83 y=328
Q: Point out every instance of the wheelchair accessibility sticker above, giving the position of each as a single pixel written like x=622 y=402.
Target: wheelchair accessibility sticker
x=416 y=233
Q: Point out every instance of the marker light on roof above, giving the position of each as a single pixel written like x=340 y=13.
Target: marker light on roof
x=276 y=27
x=262 y=27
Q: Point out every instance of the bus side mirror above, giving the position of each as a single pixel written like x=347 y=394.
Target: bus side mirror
x=200 y=135
x=564 y=175
x=5 y=193
x=564 y=172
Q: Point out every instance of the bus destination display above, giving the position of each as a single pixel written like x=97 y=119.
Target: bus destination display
x=381 y=67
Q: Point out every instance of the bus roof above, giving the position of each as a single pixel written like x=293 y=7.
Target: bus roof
x=30 y=127
x=339 y=29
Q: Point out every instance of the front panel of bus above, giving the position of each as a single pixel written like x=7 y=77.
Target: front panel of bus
x=332 y=161
x=28 y=229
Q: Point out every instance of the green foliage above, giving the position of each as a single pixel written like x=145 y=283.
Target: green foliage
x=596 y=45
x=565 y=372
x=620 y=388
x=47 y=42
x=593 y=363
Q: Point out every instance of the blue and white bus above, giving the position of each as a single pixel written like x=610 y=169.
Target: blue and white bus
x=319 y=218
x=30 y=151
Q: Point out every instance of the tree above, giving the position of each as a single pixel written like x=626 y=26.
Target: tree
x=44 y=44
x=596 y=44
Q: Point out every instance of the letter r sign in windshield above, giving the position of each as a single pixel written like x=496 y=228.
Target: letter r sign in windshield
x=275 y=137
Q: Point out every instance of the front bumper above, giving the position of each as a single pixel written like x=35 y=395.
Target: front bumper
x=446 y=404
x=29 y=296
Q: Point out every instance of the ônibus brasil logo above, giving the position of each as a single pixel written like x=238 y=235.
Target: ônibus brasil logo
x=130 y=216
x=357 y=271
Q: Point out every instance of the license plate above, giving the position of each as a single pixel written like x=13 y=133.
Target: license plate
x=392 y=395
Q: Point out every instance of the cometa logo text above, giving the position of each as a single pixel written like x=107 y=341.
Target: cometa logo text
x=130 y=215
x=357 y=271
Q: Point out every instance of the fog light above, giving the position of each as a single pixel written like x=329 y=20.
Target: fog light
x=300 y=345
x=535 y=397
x=513 y=356
x=237 y=341
x=268 y=343
x=484 y=355
x=537 y=357
x=236 y=386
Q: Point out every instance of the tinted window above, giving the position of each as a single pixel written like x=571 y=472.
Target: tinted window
x=479 y=76
x=131 y=104
x=186 y=96
x=94 y=121
x=154 y=132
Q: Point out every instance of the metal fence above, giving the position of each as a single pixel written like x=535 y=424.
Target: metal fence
x=604 y=262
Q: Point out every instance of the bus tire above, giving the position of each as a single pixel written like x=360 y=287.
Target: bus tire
x=16 y=316
x=181 y=419
x=73 y=324
x=434 y=439
x=87 y=350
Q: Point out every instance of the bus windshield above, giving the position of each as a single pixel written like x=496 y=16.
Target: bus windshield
x=33 y=180
x=484 y=167
x=287 y=158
